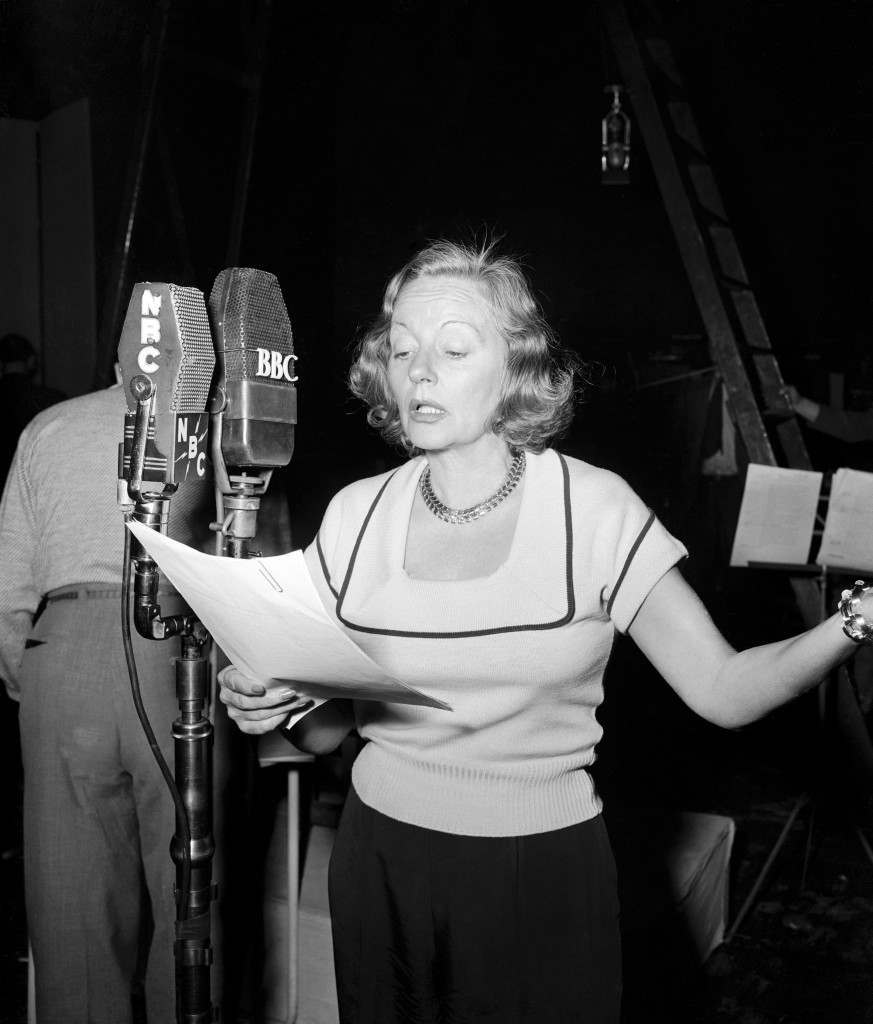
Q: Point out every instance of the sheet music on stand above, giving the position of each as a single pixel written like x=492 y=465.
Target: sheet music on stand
x=777 y=516
x=847 y=541
x=775 y=530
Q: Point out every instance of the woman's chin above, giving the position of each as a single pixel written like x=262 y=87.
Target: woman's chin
x=427 y=439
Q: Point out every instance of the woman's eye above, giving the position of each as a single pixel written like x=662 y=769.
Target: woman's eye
x=455 y=353
x=401 y=353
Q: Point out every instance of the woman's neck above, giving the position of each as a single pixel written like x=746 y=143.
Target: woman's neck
x=464 y=476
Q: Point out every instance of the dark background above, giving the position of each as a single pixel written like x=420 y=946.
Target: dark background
x=383 y=125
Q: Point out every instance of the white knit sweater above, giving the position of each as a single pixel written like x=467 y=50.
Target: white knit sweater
x=518 y=654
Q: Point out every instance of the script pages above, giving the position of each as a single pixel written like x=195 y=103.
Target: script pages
x=267 y=617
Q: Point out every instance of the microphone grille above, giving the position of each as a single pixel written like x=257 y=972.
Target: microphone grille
x=250 y=312
x=192 y=385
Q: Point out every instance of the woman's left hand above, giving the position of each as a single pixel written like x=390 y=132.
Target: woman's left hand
x=255 y=708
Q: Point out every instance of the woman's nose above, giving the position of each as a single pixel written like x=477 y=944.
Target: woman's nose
x=421 y=369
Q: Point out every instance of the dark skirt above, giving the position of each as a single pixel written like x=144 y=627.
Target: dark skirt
x=435 y=928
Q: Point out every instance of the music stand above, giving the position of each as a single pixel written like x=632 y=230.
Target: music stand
x=837 y=681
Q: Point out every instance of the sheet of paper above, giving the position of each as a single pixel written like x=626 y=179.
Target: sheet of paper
x=777 y=515
x=847 y=541
x=267 y=617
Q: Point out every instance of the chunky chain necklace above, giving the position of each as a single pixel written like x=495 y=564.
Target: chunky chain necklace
x=467 y=515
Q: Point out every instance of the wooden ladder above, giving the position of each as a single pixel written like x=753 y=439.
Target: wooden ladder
x=738 y=340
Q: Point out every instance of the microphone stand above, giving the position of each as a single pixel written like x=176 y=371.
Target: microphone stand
x=193 y=846
x=241 y=498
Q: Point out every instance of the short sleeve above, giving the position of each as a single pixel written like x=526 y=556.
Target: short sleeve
x=323 y=551
x=644 y=552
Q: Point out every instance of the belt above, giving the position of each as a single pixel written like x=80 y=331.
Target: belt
x=89 y=591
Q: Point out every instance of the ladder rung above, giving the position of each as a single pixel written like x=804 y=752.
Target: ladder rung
x=706 y=189
x=793 y=445
x=733 y=285
x=711 y=220
x=746 y=306
x=728 y=252
x=662 y=56
x=685 y=125
x=769 y=375
x=776 y=415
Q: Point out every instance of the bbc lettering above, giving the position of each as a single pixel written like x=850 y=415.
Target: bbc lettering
x=274 y=365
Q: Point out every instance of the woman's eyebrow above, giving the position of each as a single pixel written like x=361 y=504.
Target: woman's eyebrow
x=452 y=321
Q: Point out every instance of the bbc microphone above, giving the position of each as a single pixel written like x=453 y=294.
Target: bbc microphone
x=254 y=403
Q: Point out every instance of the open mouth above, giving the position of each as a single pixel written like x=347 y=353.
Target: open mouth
x=425 y=412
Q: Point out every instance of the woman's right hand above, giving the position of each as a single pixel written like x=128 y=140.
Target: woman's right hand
x=255 y=708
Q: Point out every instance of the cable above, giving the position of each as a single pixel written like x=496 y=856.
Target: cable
x=183 y=895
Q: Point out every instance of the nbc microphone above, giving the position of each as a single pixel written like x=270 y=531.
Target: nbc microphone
x=167 y=362
x=255 y=398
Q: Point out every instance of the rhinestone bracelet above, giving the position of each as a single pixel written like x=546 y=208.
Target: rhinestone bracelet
x=855 y=625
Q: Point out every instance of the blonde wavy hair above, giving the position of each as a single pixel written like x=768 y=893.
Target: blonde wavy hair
x=539 y=389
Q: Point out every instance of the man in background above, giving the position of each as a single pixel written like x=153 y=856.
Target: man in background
x=97 y=815
x=21 y=397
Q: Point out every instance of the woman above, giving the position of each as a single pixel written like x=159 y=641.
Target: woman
x=472 y=878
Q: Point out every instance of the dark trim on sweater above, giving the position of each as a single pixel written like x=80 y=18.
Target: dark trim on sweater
x=462 y=634
x=627 y=562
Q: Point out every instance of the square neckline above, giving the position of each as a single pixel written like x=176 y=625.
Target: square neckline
x=409 y=504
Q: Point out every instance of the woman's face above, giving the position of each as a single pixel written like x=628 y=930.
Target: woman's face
x=446 y=363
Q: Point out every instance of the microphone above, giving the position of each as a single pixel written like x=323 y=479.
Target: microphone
x=167 y=362
x=254 y=403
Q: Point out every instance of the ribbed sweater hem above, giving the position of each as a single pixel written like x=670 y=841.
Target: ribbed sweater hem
x=465 y=800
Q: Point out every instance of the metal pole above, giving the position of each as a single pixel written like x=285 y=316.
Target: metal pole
x=118 y=269
x=247 y=137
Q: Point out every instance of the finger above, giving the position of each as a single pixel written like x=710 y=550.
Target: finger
x=262 y=713
x=258 y=712
x=232 y=679
x=256 y=715
x=259 y=726
x=274 y=699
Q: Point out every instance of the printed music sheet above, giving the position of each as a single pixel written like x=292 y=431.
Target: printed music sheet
x=777 y=516
x=847 y=542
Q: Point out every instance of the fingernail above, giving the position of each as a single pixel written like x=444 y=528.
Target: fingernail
x=289 y=702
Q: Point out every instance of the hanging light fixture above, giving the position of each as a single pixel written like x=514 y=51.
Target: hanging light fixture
x=615 y=131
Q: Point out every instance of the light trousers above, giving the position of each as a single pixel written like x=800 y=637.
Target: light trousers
x=98 y=817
